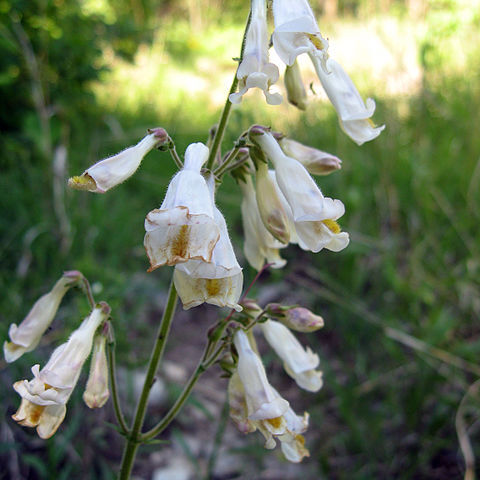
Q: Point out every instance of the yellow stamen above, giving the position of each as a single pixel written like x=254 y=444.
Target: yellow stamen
x=275 y=422
x=332 y=225
x=317 y=42
x=83 y=182
x=213 y=286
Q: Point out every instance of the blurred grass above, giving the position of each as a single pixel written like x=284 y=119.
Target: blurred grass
x=412 y=198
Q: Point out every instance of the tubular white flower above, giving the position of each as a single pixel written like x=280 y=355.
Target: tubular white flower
x=315 y=161
x=255 y=69
x=54 y=384
x=259 y=245
x=313 y=215
x=263 y=403
x=184 y=227
x=26 y=336
x=44 y=397
x=353 y=113
x=299 y=363
x=114 y=170
x=218 y=281
x=296 y=31
x=96 y=392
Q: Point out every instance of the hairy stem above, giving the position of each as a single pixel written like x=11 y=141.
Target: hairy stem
x=135 y=437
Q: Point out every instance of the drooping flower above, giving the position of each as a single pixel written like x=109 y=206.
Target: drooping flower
x=219 y=281
x=259 y=244
x=26 y=336
x=44 y=397
x=353 y=113
x=96 y=392
x=298 y=362
x=315 y=161
x=292 y=441
x=263 y=402
x=297 y=32
x=255 y=70
x=314 y=215
x=184 y=227
x=114 y=170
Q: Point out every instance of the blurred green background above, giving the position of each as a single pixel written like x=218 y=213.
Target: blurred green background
x=80 y=80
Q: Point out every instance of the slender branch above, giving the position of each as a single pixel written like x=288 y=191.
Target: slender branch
x=113 y=387
x=135 y=437
x=224 y=166
x=88 y=291
x=222 y=124
x=174 y=154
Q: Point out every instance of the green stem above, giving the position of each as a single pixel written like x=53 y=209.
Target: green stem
x=113 y=387
x=174 y=154
x=135 y=437
x=202 y=366
x=224 y=166
x=222 y=124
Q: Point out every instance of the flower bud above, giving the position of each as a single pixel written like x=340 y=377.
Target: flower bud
x=315 y=161
x=112 y=171
x=296 y=93
x=26 y=336
x=296 y=318
x=271 y=210
x=96 y=392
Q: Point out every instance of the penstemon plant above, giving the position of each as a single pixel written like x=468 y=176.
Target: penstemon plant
x=281 y=204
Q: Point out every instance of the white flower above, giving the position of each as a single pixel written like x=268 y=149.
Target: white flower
x=184 y=227
x=299 y=363
x=26 y=336
x=353 y=113
x=255 y=69
x=112 y=171
x=219 y=281
x=96 y=392
x=313 y=215
x=315 y=161
x=44 y=397
x=263 y=402
x=296 y=31
x=259 y=244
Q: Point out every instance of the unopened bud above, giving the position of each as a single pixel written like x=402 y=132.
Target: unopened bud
x=250 y=307
x=256 y=130
x=296 y=93
x=112 y=171
x=299 y=319
x=96 y=392
x=271 y=210
x=315 y=161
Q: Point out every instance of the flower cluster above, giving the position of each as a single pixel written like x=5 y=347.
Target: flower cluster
x=254 y=403
x=296 y=32
x=44 y=397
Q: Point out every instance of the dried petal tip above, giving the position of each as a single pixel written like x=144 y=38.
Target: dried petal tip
x=83 y=182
